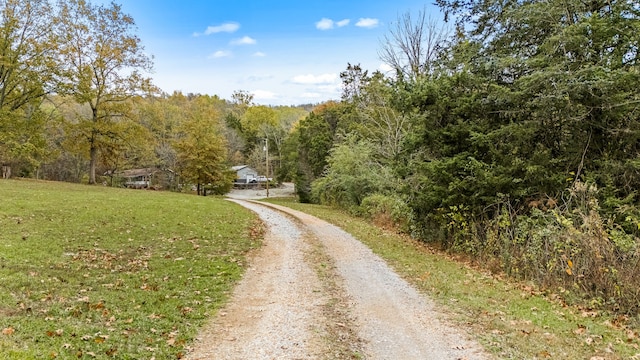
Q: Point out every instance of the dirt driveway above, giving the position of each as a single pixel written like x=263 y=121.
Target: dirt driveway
x=282 y=190
x=315 y=292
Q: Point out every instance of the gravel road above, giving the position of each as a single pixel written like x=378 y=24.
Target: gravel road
x=288 y=307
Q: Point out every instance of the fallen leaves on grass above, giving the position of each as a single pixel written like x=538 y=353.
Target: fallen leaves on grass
x=544 y=354
x=149 y=287
x=111 y=352
x=59 y=300
x=100 y=339
x=51 y=333
x=580 y=330
x=185 y=310
x=127 y=261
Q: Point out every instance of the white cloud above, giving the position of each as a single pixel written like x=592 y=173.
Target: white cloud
x=259 y=77
x=263 y=95
x=315 y=79
x=342 y=23
x=220 y=54
x=228 y=27
x=259 y=54
x=334 y=88
x=311 y=95
x=324 y=24
x=244 y=41
x=328 y=24
x=385 y=68
x=368 y=23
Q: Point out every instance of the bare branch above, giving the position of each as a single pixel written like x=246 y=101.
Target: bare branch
x=413 y=45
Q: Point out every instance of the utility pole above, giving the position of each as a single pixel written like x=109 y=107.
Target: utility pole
x=266 y=149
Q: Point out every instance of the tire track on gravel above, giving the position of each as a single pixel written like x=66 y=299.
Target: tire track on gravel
x=275 y=307
x=282 y=319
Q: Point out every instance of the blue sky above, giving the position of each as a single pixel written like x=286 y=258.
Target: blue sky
x=284 y=52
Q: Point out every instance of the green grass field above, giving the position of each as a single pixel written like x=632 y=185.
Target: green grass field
x=89 y=272
x=512 y=320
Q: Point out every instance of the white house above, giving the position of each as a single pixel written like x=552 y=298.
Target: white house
x=245 y=173
x=138 y=178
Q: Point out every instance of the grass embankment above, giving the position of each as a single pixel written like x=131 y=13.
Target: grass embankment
x=98 y=273
x=513 y=321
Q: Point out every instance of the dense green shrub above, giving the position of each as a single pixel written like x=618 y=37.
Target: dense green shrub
x=388 y=210
x=352 y=174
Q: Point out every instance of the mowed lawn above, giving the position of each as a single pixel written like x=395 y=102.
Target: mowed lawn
x=90 y=272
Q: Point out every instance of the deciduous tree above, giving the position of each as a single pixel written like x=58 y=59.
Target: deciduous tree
x=413 y=44
x=104 y=65
x=201 y=149
x=27 y=74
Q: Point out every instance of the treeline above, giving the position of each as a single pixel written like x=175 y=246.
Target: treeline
x=515 y=139
x=76 y=104
x=190 y=139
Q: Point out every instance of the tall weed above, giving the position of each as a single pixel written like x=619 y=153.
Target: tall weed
x=570 y=248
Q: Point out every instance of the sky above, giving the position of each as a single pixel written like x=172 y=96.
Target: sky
x=283 y=52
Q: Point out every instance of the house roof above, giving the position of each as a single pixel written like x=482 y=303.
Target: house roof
x=138 y=172
x=239 y=167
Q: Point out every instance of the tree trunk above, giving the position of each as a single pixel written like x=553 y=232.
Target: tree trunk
x=6 y=171
x=93 y=154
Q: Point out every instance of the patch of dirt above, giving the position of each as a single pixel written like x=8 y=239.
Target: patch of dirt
x=282 y=190
x=341 y=341
x=315 y=292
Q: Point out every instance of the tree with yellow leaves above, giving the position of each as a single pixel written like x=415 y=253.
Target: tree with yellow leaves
x=103 y=63
x=202 y=150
